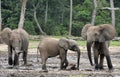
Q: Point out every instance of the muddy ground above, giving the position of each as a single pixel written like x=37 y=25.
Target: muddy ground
x=53 y=64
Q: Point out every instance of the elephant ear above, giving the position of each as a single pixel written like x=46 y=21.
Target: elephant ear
x=63 y=43
x=5 y=35
x=84 y=31
x=107 y=32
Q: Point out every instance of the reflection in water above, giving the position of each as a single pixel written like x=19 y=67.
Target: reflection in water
x=97 y=75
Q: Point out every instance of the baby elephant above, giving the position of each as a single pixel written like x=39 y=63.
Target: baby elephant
x=51 y=47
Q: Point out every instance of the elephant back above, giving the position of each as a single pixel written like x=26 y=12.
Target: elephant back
x=84 y=31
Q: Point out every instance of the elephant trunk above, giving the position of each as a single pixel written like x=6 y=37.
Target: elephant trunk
x=89 y=44
x=78 y=59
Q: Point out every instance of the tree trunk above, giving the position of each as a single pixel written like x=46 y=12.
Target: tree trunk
x=112 y=12
x=35 y=17
x=46 y=11
x=70 y=25
x=94 y=12
x=0 y=17
x=22 y=16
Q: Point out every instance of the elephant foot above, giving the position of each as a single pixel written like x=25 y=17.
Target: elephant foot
x=63 y=68
x=44 y=70
x=16 y=64
x=10 y=67
x=10 y=61
x=27 y=64
x=96 y=67
x=110 y=70
x=101 y=68
x=16 y=67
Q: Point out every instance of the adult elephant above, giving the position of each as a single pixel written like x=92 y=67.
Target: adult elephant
x=17 y=41
x=51 y=47
x=99 y=36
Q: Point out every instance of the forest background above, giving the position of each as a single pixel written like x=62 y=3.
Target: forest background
x=54 y=15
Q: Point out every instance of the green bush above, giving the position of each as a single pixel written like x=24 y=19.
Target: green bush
x=29 y=27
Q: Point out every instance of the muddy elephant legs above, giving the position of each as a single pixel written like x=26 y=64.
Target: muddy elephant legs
x=109 y=63
x=25 y=57
x=96 y=55
x=64 y=64
x=102 y=50
x=64 y=61
x=101 y=61
x=44 y=59
x=10 y=61
x=16 y=60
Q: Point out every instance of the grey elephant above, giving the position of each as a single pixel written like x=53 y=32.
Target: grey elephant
x=51 y=47
x=99 y=37
x=17 y=41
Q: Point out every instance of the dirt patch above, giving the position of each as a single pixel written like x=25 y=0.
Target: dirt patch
x=53 y=65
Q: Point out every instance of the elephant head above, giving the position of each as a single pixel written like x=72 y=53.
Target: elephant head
x=15 y=42
x=68 y=44
x=101 y=33
x=5 y=34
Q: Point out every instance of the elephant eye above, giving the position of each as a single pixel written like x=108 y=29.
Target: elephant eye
x=73 y=47
x=96 y=34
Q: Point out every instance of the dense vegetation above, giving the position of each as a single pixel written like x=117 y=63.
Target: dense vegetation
x=57 y=15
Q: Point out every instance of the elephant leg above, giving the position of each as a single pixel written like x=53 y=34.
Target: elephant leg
x=106 y=53
x=63 y=60
x=96 y=55
x=101 y=61
x=16 y=59
x=44 y=59
x=10 y=61
x=44 y=64
x=66 y=61
x=25 y=57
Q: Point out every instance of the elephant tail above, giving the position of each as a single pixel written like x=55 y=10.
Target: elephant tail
x=37 y=53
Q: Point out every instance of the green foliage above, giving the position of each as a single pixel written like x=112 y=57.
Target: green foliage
x=58 y=15
x=29 y=27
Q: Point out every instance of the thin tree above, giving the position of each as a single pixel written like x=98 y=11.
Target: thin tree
x=22 y=16
x=46 y=12
x=112 y=12
x=0 y=17
x=36 y=20
x=70 y=24
x=112 y=8
x=94 y=12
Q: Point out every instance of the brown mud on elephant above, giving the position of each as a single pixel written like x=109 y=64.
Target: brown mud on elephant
x=50 y=47
x=17 y=41
x=99 y=37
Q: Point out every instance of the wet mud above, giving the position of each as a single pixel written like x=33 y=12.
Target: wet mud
x=33 y=69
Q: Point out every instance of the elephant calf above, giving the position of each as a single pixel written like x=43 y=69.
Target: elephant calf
x=51 y=47
x=17 y=41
